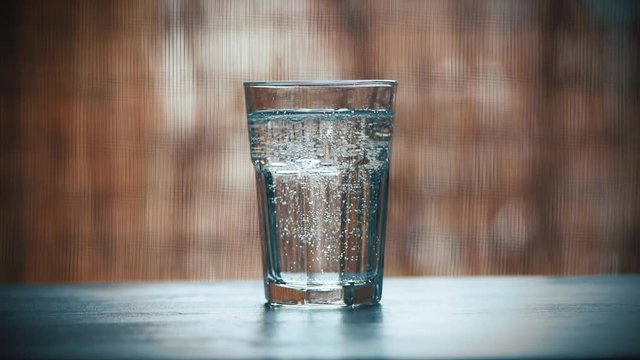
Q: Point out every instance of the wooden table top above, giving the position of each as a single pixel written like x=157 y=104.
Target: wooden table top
x=471 y=317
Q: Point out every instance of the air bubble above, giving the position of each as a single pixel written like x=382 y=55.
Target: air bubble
x=318 y=173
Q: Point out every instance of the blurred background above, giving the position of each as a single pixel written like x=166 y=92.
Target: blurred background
x=124 y=147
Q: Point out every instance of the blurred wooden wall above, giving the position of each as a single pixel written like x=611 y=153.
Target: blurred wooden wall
x=124 y=153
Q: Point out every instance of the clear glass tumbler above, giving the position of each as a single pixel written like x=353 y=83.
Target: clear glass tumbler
x=321 y=154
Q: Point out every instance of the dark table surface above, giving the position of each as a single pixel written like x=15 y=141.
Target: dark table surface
x=494 y=317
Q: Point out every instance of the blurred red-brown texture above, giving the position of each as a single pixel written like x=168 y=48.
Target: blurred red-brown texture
x=124 y=152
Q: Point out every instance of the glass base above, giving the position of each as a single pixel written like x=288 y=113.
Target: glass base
x=349 y=295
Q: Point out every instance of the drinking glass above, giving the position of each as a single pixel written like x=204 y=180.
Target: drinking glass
x=321 y=154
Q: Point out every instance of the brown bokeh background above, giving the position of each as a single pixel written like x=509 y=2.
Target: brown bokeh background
x=124 y=153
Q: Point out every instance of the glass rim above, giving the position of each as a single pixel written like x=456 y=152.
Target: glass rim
x=320 y=83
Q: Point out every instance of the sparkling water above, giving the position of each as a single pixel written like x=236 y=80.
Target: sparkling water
x=322 y=181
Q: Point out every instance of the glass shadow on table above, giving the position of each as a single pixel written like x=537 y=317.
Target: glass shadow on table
x=322 y=331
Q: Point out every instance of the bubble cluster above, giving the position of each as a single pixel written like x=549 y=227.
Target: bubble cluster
x=324 y=177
